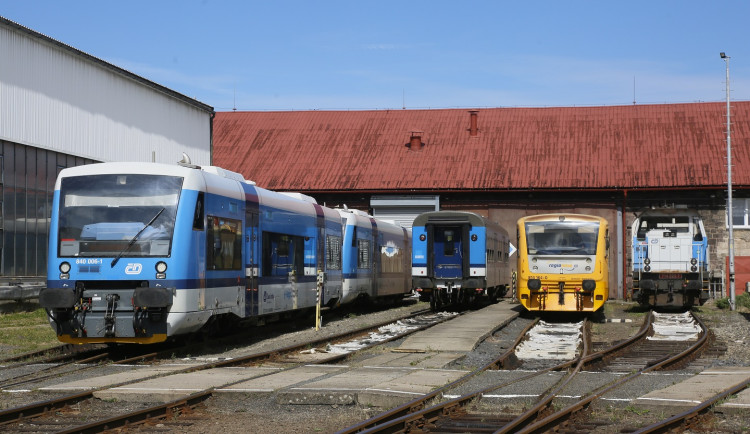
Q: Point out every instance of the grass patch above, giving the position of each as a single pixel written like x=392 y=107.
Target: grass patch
x=742 y=300
x=23 y=332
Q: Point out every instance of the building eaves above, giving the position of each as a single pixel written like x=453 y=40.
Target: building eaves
x=106 y=65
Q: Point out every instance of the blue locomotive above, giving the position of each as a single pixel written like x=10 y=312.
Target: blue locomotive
x=458 y=257
x=141 y=252
x=670 y=258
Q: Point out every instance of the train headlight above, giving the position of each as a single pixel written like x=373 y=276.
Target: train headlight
x=693 y=261
x=646 y=261
x=588 y=260
x=161 y=269
x=473 y=237
x=694 y=268
x=588 y=268
x=422 y=237
x=647 y=268
x=64 y=270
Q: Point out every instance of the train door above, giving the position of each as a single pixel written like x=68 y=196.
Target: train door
x=377 y=242
x=251 y=263
x=448 y=252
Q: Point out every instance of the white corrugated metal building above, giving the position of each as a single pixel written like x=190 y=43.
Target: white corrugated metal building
x=61 y=107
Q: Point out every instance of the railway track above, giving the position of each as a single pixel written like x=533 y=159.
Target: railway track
x=50 y=415
x=459 y=414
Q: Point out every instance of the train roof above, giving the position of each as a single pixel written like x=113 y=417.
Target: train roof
x=661 y=212
x=561 y=217
x=450 y=217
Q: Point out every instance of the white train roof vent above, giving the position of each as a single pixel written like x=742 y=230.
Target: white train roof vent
x=300 y=196
x=354 y=211
x=218 y=171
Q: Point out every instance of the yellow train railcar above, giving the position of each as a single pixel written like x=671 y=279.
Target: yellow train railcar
x=563 y=262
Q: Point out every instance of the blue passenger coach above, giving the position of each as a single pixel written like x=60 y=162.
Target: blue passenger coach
x=141 y=252
x=376 y=258
x=457 y=257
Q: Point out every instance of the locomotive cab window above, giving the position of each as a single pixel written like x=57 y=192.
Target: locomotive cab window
x=224 y=244
x=100 y=215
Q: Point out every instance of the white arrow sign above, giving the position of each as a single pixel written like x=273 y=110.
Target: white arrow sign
x=512 y=249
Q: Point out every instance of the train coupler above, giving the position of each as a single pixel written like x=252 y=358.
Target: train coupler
x=109 y=316
x=561 y=294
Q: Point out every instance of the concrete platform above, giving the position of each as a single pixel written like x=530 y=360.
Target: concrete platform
x=416 y=367
x=465 y=332
x=171 y=387
x=698 y=388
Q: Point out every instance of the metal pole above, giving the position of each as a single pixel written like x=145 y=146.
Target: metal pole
x=729 y=194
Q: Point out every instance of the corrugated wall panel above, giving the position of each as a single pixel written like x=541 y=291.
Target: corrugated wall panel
x=54 y=99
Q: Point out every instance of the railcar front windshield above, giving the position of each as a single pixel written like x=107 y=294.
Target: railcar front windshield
x=101 y=214
x=561 y=238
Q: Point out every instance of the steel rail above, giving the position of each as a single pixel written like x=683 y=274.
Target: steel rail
x=37 y=353
x=404 y=416
x=523 y=418
x=405 y=413
x=554 y=419
x=82 y=368
x=140 y=416
x=679 y=419
x=39 y=408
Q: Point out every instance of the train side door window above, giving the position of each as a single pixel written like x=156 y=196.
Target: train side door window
x=333 y=252
x=282 y=254
x=363 y=254
x=449 y=246
x=224 y=239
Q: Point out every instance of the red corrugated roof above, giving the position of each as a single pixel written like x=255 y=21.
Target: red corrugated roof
x=638 y=146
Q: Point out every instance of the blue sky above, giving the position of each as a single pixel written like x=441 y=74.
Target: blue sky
x=302 y=55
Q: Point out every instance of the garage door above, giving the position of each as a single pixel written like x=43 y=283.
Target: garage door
x=403 y=209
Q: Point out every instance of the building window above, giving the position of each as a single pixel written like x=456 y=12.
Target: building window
x=740 y=214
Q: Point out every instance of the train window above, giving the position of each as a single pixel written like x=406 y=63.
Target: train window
x=449 y=245
x=198 y=214
x=363 y=253
x=224 y=244
x=333 y=253
x=283 y=254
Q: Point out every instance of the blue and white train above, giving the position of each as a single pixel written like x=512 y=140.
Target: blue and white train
x=670 y=258
x=457 y=257
x=139 y=253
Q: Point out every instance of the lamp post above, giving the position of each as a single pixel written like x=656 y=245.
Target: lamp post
x=730 y=209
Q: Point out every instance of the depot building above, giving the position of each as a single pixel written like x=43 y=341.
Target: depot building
x=506 y=163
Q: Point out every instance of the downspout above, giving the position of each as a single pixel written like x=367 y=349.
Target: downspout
x=625 y=294
x=211 y=138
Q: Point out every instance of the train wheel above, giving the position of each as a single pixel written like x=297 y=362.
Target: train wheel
x=493 y=294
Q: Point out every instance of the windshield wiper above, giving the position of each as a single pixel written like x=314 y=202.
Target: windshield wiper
x=130 y=244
